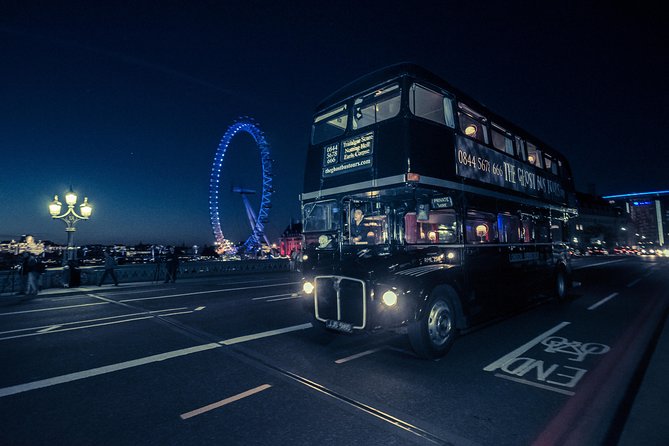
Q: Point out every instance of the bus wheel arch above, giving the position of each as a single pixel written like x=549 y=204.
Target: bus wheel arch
x=437 y=326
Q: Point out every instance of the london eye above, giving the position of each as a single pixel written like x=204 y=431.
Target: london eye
x=257 y=220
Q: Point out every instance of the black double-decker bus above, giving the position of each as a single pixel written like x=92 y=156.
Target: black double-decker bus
x=425 y=212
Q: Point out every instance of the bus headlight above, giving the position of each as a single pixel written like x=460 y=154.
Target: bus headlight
x=308 y=287
x=450 y=255
x=389 y=298
x=305 y=257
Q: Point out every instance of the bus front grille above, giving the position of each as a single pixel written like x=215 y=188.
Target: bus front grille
x=341 y=299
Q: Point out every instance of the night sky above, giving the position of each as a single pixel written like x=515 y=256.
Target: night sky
x=127 y=102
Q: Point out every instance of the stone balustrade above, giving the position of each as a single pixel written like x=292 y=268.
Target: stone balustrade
x=90 y=275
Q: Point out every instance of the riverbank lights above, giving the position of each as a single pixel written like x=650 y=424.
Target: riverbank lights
x=55 y=206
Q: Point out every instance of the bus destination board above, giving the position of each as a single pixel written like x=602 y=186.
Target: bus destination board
x=348 y=155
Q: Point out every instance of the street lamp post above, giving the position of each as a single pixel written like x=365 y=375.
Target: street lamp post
x=70 y=217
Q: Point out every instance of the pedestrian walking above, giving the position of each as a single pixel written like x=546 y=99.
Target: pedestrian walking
x=24 y=271
x=35 y=268
x=293 y=260
x=110 y=264
x=172 y=259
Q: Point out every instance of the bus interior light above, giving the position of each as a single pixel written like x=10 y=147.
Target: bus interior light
x=450 y=255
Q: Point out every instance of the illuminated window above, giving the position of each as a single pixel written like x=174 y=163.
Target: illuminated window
x=329 y=125
x=480 y=228
x=440 y=227
x=431 y=105
x=472 y=124
x=509 y=228
x=533 y=155
x=381 y=104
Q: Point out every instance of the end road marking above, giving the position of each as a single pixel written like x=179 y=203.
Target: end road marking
x=232 y=399
x=523 y=348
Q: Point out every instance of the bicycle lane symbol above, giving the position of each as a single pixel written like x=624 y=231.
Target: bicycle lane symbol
x=549 y=371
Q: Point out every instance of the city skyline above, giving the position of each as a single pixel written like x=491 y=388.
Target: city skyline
x=128 y=103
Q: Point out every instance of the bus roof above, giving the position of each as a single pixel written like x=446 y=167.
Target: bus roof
x=413 y=70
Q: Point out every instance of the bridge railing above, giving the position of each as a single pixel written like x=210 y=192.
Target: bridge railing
x=10 y=281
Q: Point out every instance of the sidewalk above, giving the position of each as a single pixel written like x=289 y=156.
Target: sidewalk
x=648 y=421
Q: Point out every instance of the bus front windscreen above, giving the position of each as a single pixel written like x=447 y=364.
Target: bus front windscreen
x=321 y=216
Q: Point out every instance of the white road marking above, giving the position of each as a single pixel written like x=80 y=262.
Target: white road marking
x=232 y=399
x=53 y=327
x=90 y=320
x=7 y=391
x=222 y=290
x=269 y=297
x=53 y=308
x=265 y=334
x=283 y=298
x=531 y=383
x=358 y=355
x=76 y=328
x=13 y=390
x=634 y=282
x=599 y=264
x=199 y=308
x=523 y=348
x=602 y=302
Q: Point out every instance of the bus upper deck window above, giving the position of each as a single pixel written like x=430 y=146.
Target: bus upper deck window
x=472 y=124
x=429 y=104
x=533 y=155
x=501 y=140
x=382 y=104
x=329 y=125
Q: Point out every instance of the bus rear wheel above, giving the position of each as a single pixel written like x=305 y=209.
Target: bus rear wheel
x=560 y=287
x=433 y=334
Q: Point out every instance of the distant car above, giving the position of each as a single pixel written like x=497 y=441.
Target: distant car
x=599 y=251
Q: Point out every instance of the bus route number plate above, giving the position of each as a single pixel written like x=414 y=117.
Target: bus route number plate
x=344 y=327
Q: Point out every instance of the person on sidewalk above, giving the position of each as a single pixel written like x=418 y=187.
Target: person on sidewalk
x=172 y=265
x=110 y=264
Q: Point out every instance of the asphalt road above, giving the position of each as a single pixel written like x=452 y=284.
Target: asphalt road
x=235 y=361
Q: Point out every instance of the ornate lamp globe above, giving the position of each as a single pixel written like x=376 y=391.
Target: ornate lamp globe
x=86 y=209
x=70 y=198
x=55 y=206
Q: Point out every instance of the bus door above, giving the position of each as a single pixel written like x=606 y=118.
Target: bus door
x=514 y=258
x=483 y=263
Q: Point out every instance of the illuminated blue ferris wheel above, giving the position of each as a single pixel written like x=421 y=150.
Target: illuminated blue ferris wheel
x=257 y=221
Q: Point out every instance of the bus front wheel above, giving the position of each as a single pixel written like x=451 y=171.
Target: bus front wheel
x=432 y=335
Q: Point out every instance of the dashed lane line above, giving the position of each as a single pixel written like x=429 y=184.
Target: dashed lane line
x=603 y=301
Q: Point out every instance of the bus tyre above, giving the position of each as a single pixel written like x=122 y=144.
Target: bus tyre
x=432 y=335
x=560 y=288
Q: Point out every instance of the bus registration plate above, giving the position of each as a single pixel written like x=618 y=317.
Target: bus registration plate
x=344 y=327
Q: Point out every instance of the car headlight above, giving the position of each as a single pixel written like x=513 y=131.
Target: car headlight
x=308 y=287
x=389 y=298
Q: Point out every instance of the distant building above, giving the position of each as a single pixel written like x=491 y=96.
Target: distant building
x=649 y=212
x=291 y=239
x=600 y=223
x=26 y=243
